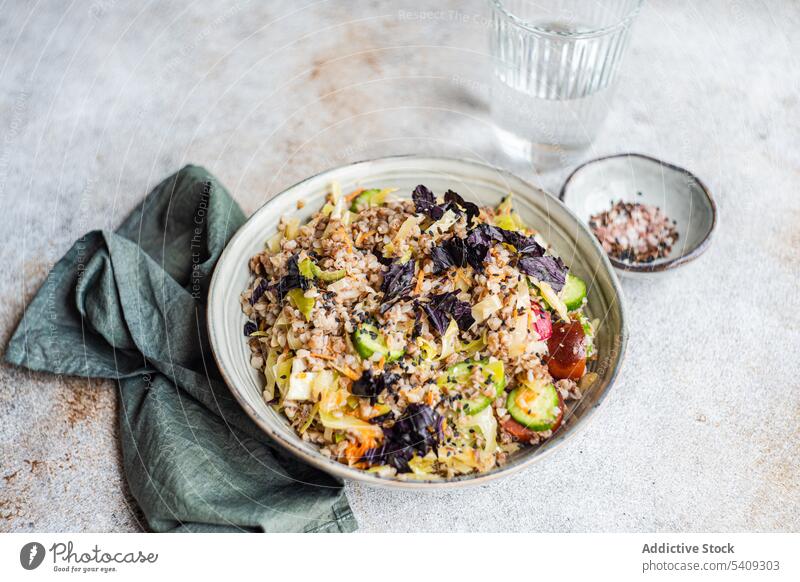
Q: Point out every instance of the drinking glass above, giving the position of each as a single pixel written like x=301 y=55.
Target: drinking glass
x=554 y=68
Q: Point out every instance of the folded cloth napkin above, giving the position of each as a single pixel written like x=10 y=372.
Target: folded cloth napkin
x=130 y=305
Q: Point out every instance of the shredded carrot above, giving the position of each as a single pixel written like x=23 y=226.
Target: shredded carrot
x=347 y=372
x=381 y=363
x=420 y=278
x=429 y=398
x=356 y=451
x=460 y=275
x=350 y=197
x=360 y=238
x=348 y=240
x=323 y=357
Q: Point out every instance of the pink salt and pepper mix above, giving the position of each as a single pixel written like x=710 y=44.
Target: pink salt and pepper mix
x=634 y=232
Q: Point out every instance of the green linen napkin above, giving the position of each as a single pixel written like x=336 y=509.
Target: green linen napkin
x=130 y=305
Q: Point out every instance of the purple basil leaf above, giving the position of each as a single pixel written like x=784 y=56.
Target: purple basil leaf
x=381 y=419
x=397 y=280
x=292 y=280
x=470 y=208
x=441 y=259
x=249 y=328
x=418 y=430
x=451 y=253
x=525 y=245
x=371 y=385
x=456 y=248
x=481 y=238
x=478 y=242
x=385 y=261
x=417 y=328
x=442 y=308
x=425 y=203
x=547 y=269
x=258 y=292
x=424 y=200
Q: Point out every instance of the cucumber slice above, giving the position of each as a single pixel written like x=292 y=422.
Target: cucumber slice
x=537 y=408
x=574 y=292
x=310 y=270
x=492 y=371
x=368 y=341
x=367 y=198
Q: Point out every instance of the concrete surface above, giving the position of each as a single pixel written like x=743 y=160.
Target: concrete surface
x=99 y=101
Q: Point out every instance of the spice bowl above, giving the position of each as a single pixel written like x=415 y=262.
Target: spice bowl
x=595 y=186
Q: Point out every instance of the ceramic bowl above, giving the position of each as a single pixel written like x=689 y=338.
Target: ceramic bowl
x=592 y=187
x=474 y=181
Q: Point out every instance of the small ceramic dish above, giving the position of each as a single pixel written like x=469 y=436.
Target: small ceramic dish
x=478 y=182
x=593 y=187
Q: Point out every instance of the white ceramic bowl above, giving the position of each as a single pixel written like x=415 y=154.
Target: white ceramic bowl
x=475 y=181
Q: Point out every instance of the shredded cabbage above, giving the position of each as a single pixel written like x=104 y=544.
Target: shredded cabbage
x=325 y=381
x=487 y=424
x=427 y=348
x=449 y=340
x=484 y=309
x=448 y=219
x=423 y=466
x=269 y=374
x=336 y=191
x=292 y=227
x=303 y=303
x=346 y=422
x=274 y=243
x=473 y=347
x=282 y=370
x=518 y=342
x=406 y=229
x=506 y=218
x=553 y=300
x=310 y=418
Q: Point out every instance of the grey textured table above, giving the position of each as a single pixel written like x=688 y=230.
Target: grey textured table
x=99 y=101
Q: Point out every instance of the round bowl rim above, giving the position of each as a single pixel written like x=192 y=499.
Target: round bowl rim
x=345 y=472
x=682 y=259
x=519 y=22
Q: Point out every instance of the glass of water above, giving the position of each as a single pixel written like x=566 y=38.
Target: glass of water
x=554 y=68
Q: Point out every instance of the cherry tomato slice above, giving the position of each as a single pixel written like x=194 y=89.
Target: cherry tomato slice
x=567 y=345
x=573 y=371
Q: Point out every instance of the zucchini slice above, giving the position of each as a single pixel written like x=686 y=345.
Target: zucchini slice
x=368 y=341
x=574 y=292
x=538 y=408
x=373 y=197
x=491 y=371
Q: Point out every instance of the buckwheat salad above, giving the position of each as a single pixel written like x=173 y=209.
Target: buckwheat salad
x=418 y=339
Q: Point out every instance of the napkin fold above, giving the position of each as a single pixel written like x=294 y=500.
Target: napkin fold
x=130 y=305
